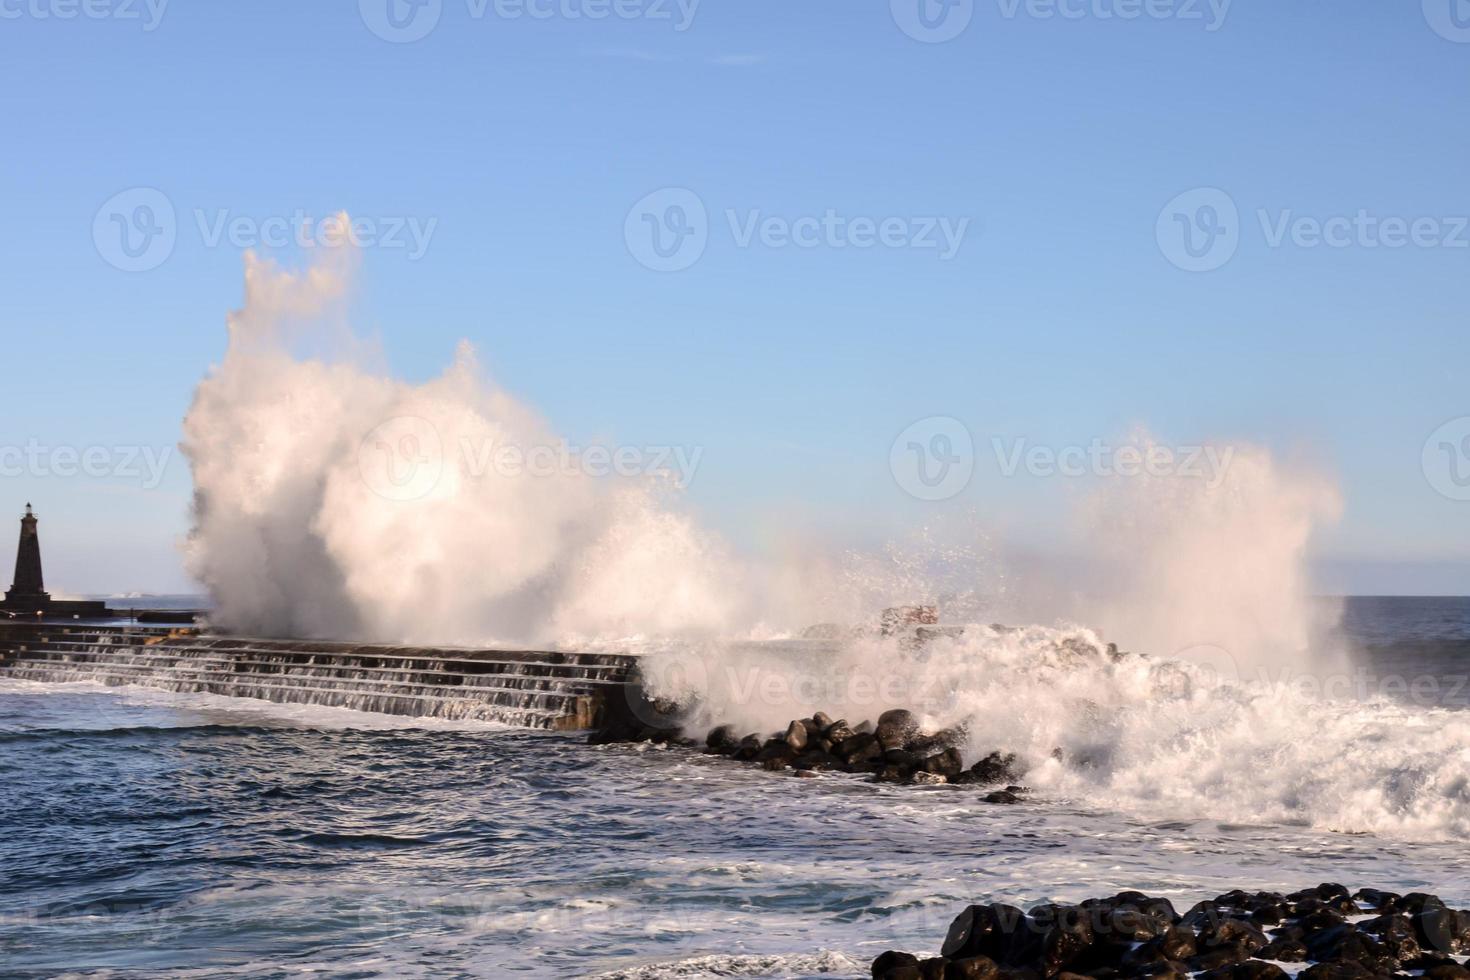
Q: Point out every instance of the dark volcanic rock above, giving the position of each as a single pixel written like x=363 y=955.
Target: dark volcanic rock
x=816 y=759
x=972 y=968
x=950 y=738
x=1332 y=896
x=886 y=964
x=1447 y=971
x=1204 y=915
x=1162 y=970
x=1126 y=925
x=903 y=758
x=1320 y=921
x=775 y=748
x=896 y=728
x=895 y=750
x=1002 y=796
x=1232 y=932
x=982 y=930
x=1336 y=971
x=750 y=746
x=1284 y=951
x=1376 y=900
x=796 y=735
x=722 y=740
x=1133 y=937
x=1066 y=938
x=947 y=764
x=1249 y=970
x=996 y=768
x=1396 y=933
x=1215 y=957
x=933 y=968
x=1346 y=943
x=1176 y=944
x=1443 y=929
x=860 y=750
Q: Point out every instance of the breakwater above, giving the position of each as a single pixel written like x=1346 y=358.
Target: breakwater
x=530 y=688
x=1321 y=933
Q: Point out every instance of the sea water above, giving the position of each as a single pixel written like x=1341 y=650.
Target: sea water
x=147 y=834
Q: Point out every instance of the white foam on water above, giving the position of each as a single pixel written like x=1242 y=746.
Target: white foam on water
x=1156 y=738
x=789 y=966
x=132 y=706
x=293 y=534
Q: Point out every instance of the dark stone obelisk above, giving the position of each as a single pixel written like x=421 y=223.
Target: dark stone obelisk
x=29 y=588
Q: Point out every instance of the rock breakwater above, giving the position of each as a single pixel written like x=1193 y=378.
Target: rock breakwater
x=1321 y=933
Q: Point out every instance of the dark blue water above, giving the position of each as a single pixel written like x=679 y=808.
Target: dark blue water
x=144 y=834
x=1412 y=649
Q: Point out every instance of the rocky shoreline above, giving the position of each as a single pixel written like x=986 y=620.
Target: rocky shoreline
x=892 y=750
x=1321 y=933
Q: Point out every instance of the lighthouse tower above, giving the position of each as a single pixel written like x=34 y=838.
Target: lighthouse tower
x=29 y=588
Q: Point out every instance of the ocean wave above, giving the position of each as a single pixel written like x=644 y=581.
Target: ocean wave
x=1162 y=738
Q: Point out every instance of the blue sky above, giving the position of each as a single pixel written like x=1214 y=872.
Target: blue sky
x=1063 y=316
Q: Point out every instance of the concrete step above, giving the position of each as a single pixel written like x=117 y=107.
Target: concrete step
x=538 y=689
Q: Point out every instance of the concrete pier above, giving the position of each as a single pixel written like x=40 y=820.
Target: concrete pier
x=554 y=690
